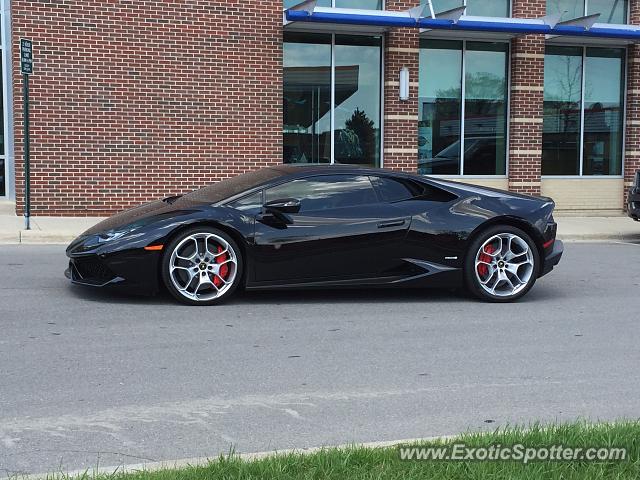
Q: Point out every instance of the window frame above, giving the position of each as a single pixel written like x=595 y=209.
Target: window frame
x=463 y=73
x=624 y=86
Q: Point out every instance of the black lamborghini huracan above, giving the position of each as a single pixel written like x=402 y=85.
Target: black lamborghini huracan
x=323 y=226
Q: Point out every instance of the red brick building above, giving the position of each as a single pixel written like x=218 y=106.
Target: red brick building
x=134 y=100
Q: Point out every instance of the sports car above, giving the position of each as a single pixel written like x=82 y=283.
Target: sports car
x=319 y=227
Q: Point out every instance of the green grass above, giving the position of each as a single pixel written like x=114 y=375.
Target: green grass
x=384 y=463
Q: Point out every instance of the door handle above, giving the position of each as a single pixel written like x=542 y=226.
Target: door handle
x=392 y=223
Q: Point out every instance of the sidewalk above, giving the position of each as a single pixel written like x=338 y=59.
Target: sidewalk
x=62 y=230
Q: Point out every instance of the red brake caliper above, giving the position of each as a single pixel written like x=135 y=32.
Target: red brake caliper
x=224 y=269
x=483 y=269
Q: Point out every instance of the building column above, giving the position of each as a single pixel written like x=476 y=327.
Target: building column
x=632 y=132
x=402 y=49
x=526 y=114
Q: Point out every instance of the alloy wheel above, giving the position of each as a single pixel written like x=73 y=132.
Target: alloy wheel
x=203 y=267
x=504 y=265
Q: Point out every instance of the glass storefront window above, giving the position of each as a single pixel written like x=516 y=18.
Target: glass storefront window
x=561 y=124
x=603 y=111
x=611 y=11
x=583 y=131
x=357 y=100
x=439 y=104
x=480 y=8
x=485 y=118
x=363 y=4
x=440 y=126
x=315 y=131
x=307 y=98
x=293 y=3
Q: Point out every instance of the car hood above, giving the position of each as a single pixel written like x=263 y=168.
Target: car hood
x=143 y=212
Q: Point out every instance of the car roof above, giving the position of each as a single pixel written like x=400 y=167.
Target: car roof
x=306 y=169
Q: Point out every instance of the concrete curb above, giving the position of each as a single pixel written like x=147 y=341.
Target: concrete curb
x=203 y=461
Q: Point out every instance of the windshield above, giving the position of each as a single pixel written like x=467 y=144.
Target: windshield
x=232 y=186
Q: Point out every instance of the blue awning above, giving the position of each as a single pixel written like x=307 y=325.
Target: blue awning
x=454 y=22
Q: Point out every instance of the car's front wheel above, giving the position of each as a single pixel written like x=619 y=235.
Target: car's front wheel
x=502 y=264
x=202 y=266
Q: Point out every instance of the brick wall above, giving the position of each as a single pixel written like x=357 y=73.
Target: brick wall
x=632 y=146
x=133 y=100
x=525 y=123
x=401 y=117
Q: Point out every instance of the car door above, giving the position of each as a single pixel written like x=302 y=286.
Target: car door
x=341 y=231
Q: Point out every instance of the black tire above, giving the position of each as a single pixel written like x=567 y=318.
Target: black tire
x=234 y=252
x=471 y=276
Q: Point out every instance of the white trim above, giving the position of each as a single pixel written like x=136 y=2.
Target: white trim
x=332 y=114
x=582 y=97
x=463 y=102
x=382 y=94
x=7 y=100
x=584 y=177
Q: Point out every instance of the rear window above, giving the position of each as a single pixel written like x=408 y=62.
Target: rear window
x=233 y=186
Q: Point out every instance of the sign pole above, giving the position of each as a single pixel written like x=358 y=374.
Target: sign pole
x=26 y=67
x=27 y=163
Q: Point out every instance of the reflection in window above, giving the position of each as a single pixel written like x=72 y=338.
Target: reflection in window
x=485 y=107
x=611 y=11
x=488 y=8
x=307 y=98
x=485 y=124
x=603 y=112
x=357 y=100
x=363 y=4
x=325 y=192
x=561 y=124
x=439 y=92
x=481 y=8
x=308 y=110
x=600 y=135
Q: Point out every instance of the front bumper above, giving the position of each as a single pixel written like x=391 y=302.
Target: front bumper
x=552 y=257
x=133 y=270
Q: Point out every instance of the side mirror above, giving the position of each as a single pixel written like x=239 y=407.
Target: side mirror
x=285 y=205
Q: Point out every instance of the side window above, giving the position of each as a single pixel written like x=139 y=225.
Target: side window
x=326 y=191
x=392 y=190
x=250 y=204
x=399 y=189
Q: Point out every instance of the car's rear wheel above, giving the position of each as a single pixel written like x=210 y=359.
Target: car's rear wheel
x=502 y=264
x=202 y=266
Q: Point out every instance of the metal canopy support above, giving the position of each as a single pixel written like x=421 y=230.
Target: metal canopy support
x=584 y=22
x=552 y=20
x=307 y=6
x=454 y=14
x=417 y=12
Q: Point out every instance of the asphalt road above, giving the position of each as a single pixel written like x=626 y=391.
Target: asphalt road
x=89 y=378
